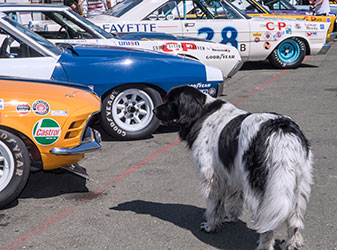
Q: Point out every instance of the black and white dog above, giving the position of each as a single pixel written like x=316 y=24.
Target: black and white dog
x=262 y=159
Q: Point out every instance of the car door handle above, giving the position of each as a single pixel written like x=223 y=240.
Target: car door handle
x=189 y=25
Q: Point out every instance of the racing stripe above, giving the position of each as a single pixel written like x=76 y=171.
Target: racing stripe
x=36 y=67
x=213 y=74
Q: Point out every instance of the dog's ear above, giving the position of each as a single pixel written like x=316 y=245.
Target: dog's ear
x=190 y=107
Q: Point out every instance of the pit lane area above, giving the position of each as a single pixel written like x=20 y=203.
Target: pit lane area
x=145 y=194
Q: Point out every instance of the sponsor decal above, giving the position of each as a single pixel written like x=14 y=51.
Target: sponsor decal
x=0 y=118
x=59 y=113
x=119 y=28
x=222 y=50
x=267 y=35
x=23 y=108
x=321 y=26
x=298 y=26
x=212 y=92
x=311 y=26
x=273 y=26
x=170 y=17
x=288 y=31
x=200 y=85
x=328 y=20
x=257 y=34
x=309 y=33
x=220 y=57
x=267 y=45
x=173 y=46
x=128 y=43
x=278 y=35
x=40 y=107
x=46 y=131
x=2 y=104
x=257 y=39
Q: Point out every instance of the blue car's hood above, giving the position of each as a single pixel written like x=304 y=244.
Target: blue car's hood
x=108 y=51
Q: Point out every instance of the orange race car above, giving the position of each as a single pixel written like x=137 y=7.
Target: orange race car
x=43 y=125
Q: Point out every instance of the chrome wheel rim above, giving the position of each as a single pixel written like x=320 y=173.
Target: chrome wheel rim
x=6 y=166
x=132 y=110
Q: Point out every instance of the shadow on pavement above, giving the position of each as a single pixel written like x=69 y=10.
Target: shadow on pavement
x=265 y=65
x=232 y=236
x=46 y=184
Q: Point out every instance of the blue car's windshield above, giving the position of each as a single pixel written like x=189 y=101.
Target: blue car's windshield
x=121 y=8
x=40 y=40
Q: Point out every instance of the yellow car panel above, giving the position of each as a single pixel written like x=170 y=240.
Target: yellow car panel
x=51 y=116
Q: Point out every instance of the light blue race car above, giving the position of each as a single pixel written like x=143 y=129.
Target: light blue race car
x=130 y=82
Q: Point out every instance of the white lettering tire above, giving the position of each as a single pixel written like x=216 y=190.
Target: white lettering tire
x=14 y=167
x=127 y=112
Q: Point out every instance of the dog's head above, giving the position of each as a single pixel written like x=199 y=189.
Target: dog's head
x=183 y=106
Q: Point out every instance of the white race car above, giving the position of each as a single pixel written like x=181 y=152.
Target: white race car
x=60 y=24
x=284 y=42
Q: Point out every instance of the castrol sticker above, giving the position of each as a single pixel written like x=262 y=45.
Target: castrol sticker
x=40 y=107
x=46 y=131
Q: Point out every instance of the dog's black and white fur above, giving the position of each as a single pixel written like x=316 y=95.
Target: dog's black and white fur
x=262 y=159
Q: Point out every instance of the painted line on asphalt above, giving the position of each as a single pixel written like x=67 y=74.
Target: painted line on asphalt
x=64 y=213
x=265 y=84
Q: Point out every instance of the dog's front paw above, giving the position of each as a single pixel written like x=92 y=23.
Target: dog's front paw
x=206 y=227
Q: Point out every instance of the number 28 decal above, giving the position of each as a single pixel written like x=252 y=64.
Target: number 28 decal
x=228 y=34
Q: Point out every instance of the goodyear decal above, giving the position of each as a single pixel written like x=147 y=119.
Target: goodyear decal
x=46 y=131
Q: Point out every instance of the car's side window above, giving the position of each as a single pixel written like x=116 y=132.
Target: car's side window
x=169 y=11
x=12 y=48
x=52 y=25
x=207 y=9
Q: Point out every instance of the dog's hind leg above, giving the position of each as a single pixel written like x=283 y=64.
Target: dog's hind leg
x=266 y=241
x=296 y=217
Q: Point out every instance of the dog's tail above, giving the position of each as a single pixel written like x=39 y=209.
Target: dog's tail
x=288 y=185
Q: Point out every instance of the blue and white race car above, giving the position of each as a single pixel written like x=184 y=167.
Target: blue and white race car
x=130 y=82
x=285 y=42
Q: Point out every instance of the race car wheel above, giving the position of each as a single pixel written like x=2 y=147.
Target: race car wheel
x=127 y=112
x=289 y=54
x=14 y=167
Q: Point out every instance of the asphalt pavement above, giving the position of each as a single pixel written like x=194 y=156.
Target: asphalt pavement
x=145 y=194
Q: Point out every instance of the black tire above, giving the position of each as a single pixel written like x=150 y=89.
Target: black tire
x=282 y=59
x=14 y=166
x=116 y=113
